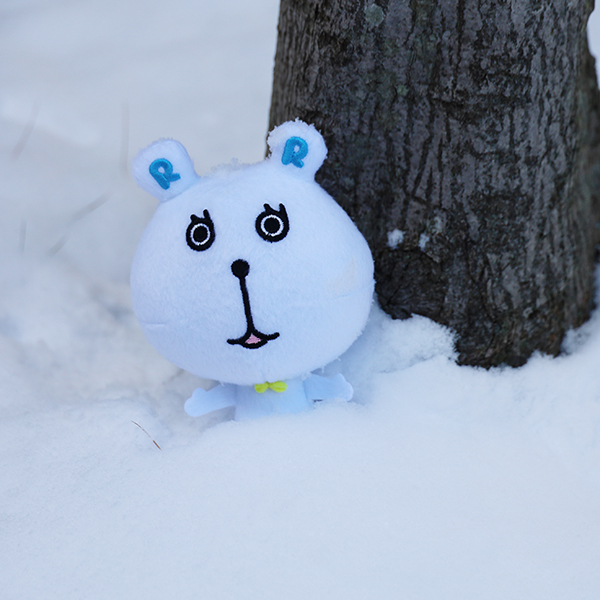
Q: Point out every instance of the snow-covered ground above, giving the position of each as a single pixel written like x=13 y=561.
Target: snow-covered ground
x=440 y=483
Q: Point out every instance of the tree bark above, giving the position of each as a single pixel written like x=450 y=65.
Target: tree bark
x=464 y=141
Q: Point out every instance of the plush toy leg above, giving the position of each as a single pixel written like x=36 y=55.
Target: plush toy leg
x=328 y=388
x=202 y=402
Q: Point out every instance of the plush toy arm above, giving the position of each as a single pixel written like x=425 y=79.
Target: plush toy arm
x=327 y=388
x=202 y=402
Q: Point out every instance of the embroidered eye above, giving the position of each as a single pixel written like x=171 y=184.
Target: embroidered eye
x=272 y=225
x=200 y=233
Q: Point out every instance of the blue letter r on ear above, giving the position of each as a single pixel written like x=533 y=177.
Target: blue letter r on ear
x=295 y=150
x=162 y=171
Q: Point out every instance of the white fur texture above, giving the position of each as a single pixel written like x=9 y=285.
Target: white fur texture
x=314 y=287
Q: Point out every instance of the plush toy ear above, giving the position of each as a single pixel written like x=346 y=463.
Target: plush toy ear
x=298 y=148
x=164 y=169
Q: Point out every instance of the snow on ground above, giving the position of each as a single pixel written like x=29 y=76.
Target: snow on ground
x=440 y=482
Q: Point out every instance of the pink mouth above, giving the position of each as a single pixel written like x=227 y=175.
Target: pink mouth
x=253 y=340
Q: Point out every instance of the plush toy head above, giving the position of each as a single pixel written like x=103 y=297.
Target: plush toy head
x=253 y=273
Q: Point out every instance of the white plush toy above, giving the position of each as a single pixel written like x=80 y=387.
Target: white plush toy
x=252 y=276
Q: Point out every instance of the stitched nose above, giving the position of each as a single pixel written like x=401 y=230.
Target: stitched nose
x=240 y=268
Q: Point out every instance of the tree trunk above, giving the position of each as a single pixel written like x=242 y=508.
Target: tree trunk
x=464 y=141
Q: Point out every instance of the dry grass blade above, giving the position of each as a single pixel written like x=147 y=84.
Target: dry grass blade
x=26 y=132
x=77 y=216
x=153 y=441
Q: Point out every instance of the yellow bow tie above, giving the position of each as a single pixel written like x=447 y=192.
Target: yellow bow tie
x=276 y=386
